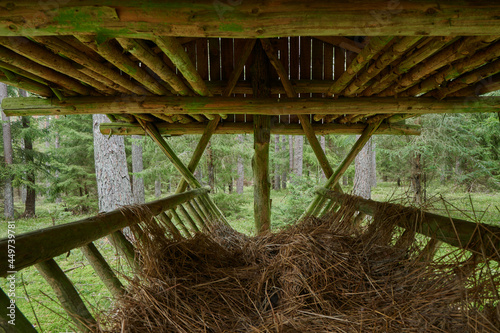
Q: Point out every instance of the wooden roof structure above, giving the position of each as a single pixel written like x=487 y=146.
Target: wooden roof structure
x=275 y=66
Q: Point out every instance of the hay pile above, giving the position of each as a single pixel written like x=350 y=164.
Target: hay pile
x=316 y=276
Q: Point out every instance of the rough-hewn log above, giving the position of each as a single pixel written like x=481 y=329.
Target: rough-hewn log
x=416 y=57
x=478 y=238
x=14 y=59
x=67 y=295
x=251 y=20
x=456 y=51
x=247 y=128
x=455 y=70
x=113 y=77
x=245 y=87
x=318 y=202
x=41 y=55
x=176 y=53
x=110 y=51
x=483 y=87
x=343 y=42
x=142 y=52
x=304 y=120
x=22 y=324
x=24 y=83
x=32 y=247
x=103 y=270
x=28 y=106
x=375 y=45
x=393 y=53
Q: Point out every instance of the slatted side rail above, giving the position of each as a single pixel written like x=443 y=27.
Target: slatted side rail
x=481 y=239
x=38 y=248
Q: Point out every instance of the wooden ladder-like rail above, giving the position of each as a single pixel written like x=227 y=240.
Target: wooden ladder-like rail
x=182 y=215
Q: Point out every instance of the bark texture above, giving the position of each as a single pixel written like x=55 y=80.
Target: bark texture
x=137 y=166
x=363 y=178
x=277 y=175
x=29 y=204
x=240 y=170
x=298 y=155
x=7 y=148
x=113 y=181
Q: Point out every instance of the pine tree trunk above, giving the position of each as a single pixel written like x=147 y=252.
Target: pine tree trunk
x=29 y=205
x=7 y=148
x=113 y=181
x=290 y=148
x=373 y=165
x=210 y=167
x=57 y=145
x=277 y=180
x=298 y=155
x=363 y=171
x=137 y=166
x=241 y=169
x=416 y=178
x=285 y=169
x=158 y=187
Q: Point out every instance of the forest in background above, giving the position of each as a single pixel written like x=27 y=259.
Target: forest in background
x=53 y=161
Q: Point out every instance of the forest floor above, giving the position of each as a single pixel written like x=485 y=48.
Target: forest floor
x=35 y=297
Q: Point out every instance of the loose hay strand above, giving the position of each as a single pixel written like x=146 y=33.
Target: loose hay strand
x=318 y=275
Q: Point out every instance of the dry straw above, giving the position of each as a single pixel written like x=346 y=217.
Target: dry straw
x=319 y=275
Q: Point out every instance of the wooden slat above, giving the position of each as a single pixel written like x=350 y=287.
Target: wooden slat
x=214 y=52
x=202 y=58
x=317 y=62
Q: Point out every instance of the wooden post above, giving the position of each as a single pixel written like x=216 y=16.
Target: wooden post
x=262 y=136
x=67 y=295
x=103 y=270
x=22 y=324
x=122 y=244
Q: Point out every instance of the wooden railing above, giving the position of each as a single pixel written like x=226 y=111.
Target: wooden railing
x=182 y=215
x=478 y=238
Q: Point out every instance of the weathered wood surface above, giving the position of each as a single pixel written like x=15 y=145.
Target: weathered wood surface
x=247 y=128
x=479 y=238
x=22 y=324
x=40 y=245
x=246 y=19
x=30 y=106
x=67 y=295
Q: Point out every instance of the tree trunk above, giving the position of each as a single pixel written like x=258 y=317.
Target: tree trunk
x=345 y=180
x=57 y=145
x=416 y=178
x=7 y=148
x=373 y=164
x=285 y=169
x=210 y=167
x=113 y=181
x=158 y=187
x=298 y=155
x=277 y=180
x=363 y=171
x=137 y=166
x=241 y=169
x=29 y=205
x=290 y=148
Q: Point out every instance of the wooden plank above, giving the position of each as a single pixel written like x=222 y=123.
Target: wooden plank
x=227 y=58
x=30 y=106
x=317 y=62
x=247 y=128
x=32 y=246
x=67 y=295
x=214 y=53
x=305 y=60
x=202 y=57
x=242 y=56
x=479 y=238
x=250 y=20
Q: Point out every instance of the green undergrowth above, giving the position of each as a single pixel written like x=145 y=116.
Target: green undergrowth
x=33 y=295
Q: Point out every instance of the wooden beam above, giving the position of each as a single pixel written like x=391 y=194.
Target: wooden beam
x=251 y=20
x=479 y=238
x=245 y=87
x=247 y=128
x=28 y=106
x=18 y=81
x=317 y=204
x=142 y=52
x=9 y=312
x=103 y=270
x=67 y=295
x=375 y=45
x=176 y=53
x=32 y=246
x=304 y=120
x=342 y=42
x=110 y=51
